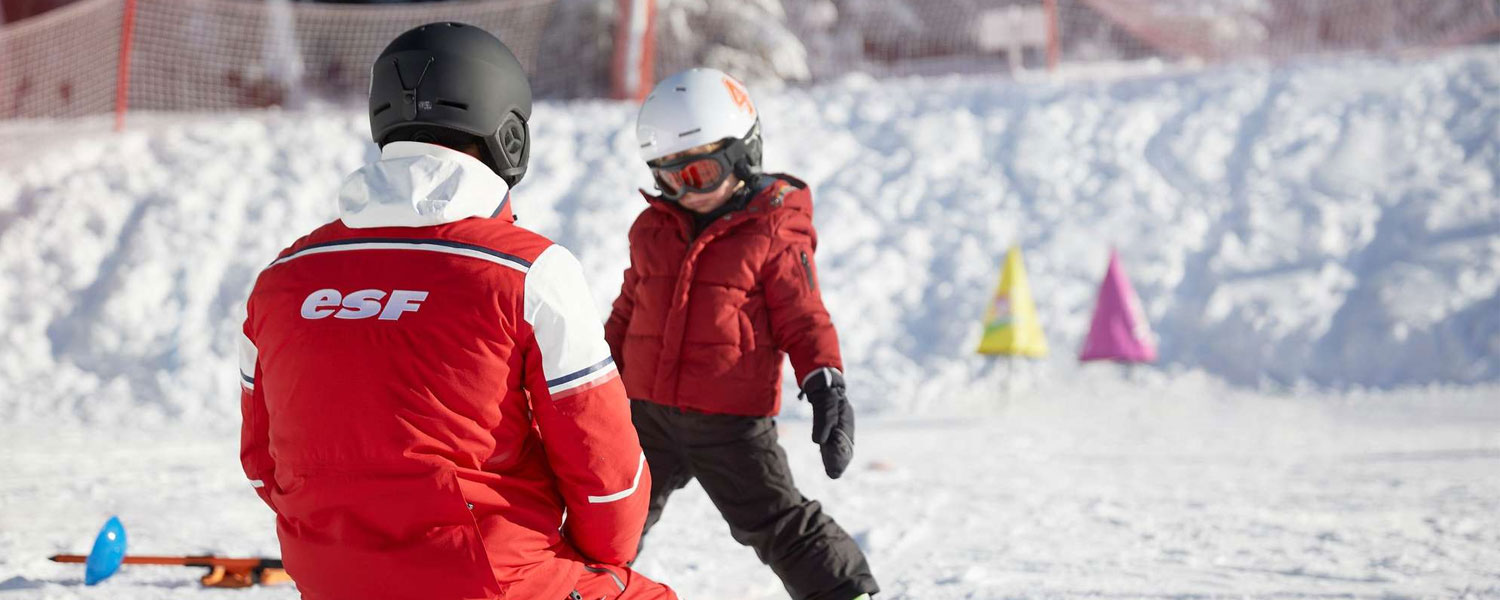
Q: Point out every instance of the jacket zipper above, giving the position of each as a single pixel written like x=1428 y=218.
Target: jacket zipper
x=807 y=269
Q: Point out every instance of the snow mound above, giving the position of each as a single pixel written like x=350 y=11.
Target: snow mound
x=1332 y=223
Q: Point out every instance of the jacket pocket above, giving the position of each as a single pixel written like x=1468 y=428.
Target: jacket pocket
x=812 y=281
x=747 y=333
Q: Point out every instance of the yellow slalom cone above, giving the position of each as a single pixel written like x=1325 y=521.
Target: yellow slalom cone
x=1010 y=325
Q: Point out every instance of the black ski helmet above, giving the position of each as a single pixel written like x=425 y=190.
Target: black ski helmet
x=453 y=84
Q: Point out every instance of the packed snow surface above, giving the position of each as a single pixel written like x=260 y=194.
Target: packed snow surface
x=1317 y=246
x=1103 y=486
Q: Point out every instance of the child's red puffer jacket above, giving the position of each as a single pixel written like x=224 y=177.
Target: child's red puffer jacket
x=702 y=321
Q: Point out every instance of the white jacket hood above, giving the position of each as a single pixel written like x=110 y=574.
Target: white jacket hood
x=418 y=185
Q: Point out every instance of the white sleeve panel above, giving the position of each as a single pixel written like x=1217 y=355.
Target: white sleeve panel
x=248 y=355
x=568 y=330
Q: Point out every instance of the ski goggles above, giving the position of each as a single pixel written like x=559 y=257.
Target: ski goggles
x=693 y=173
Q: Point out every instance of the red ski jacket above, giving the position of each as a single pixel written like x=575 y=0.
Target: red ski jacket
x=703 y=321
x=426 y=389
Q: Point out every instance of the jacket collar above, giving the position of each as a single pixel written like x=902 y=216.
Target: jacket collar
x=767 y=192
x=418 y=185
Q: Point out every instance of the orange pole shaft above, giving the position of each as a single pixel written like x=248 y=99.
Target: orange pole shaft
x=122 y=75
x=635 y=50
x=648 y=54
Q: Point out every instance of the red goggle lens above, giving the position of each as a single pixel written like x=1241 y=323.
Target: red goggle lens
x=699 y=175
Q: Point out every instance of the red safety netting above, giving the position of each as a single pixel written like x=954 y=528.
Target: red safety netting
x=225 y=54
x=229 y=54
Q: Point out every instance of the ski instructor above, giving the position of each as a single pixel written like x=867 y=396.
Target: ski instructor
x=425 y=385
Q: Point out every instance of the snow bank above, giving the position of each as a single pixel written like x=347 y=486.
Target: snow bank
x=1332 y=223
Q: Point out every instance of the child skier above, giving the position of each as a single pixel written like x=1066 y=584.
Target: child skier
x=720 y=287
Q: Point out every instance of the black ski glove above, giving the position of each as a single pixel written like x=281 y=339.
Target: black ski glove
x=833 y=419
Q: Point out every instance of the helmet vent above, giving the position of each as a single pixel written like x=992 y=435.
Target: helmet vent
x=513 y=138
x=384 y=106
x=453 y=104
x=689 y=132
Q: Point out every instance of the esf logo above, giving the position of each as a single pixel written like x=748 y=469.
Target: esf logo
x=362 y=304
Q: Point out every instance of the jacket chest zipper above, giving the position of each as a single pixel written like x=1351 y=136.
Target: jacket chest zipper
x=672 y=351
x=676 y=321
x=690 y=262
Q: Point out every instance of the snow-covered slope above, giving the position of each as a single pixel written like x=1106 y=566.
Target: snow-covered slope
x=1334 y=223
x=1095 y=487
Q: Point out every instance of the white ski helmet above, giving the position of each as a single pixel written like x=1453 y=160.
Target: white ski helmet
x=696 y=107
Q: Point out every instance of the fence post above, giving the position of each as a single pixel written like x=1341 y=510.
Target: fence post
x=1054 y=36
x=122 y=72
x=635 y=50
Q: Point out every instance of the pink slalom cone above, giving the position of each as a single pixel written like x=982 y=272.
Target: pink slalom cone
x=1120 y=331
